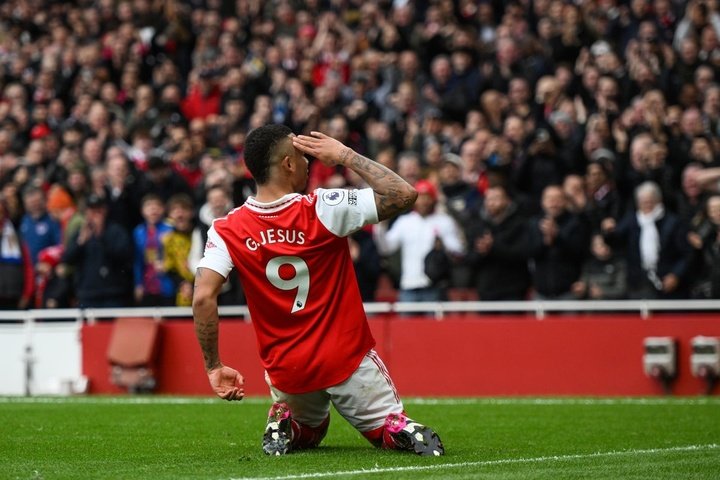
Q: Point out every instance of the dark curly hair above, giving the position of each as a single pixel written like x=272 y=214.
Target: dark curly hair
x=260 y=148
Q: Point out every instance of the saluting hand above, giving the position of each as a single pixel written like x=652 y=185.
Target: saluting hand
x=227 y=383
x=326 y=149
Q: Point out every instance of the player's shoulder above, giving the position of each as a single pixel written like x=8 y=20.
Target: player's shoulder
x=233 y=215
x=330 y=197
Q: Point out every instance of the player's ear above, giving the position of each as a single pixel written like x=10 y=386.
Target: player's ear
x=287 y=163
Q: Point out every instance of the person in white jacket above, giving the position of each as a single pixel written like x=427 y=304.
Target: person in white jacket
x=415 y=234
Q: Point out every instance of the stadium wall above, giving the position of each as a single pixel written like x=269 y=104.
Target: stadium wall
x=461 y=355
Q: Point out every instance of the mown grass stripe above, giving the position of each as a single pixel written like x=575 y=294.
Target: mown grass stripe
x=163 y=400
x=491 y=463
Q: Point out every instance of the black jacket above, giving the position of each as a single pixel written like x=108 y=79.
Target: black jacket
x=103 y=265
x=502 y=273
x=559 y=265
x=675 y=253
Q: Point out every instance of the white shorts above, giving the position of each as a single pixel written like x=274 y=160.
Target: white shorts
x=365 y=399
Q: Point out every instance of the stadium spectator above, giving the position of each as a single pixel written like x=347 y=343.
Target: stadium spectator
x=558 y=243
x=603 y=198
x=337 y=356
x=101 y=256
x=656 y=245
x=409 y=167
x=460 y=197
x=16 y=269
x=152 y=286
x=60 y=206
x=689 y=201
x=604 y=274
x=498 y=249
x=366 y=262
x=217 y=205
x=162 y=180
x=176 y=247
x=415 y=234
x=80 y=80
x=52 y=288
x=38 y=229
x=576 y=194
x=705 y=241
x=540 y=168
x=122 y=190
x=322 y=176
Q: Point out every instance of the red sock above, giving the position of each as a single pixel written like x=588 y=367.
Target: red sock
x=381 y=437
x=305 y=436
x=375 y=436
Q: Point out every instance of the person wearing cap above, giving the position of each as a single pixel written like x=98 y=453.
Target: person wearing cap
x=460 y=196
x=101 y=254
x=415 y=234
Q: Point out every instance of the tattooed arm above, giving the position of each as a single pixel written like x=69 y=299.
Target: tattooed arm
x=393 y=195
x=225 y=381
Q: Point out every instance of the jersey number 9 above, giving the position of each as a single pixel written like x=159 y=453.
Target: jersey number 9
x=301 y=279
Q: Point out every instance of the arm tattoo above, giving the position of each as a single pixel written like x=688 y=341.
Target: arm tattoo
x=345 y=154
x=206 y=331
x=206 y=326
x=393 y=195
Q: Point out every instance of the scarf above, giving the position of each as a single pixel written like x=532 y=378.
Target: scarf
x=649 y=237
x=10 y=244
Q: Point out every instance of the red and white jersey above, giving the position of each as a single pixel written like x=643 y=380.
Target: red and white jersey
x=295 y=267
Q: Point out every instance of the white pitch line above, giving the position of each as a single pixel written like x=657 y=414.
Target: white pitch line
x=491 y=463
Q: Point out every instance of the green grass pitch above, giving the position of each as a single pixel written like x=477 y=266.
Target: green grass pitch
x=501 y=438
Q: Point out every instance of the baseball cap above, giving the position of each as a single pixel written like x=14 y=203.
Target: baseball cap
x=51 y=255
x=600 y=48
x=39 y=131
x=427 y=188
x=452 y=158
x=602 y=154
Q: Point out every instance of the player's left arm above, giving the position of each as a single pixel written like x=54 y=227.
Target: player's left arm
x=225 y=381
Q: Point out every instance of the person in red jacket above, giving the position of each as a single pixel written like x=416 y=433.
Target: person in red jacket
x=203 y=99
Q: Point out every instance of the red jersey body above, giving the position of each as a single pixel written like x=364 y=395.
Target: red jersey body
x=295 y=267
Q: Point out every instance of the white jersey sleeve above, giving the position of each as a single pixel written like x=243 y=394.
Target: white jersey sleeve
x=216 y=256
x=345 y=211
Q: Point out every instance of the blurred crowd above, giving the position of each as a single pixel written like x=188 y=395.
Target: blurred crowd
x=561 y=149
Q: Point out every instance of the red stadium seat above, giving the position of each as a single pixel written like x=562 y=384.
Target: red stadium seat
x=132 y=353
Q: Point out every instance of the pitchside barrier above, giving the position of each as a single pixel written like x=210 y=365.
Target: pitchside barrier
x=438 y=349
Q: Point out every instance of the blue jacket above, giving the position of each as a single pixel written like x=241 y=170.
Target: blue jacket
x=140 y=237
x=39 y=233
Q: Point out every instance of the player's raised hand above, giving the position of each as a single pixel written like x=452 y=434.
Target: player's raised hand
x=326 y=149
x=227 y=383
